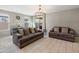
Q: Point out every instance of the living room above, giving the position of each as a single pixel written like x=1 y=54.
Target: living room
x=39 y=28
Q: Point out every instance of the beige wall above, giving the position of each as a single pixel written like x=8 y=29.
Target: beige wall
x=68 y=18
x=13 y=20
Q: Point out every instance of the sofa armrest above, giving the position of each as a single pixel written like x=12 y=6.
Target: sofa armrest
x=17 y=36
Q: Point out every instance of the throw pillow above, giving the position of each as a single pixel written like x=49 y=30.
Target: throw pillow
x=21 y=31
x=26 y=31
x=35 y=29
x=64 y=30
x=56 y=29
x=32 y=30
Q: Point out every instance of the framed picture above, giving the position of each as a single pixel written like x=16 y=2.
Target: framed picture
x=18 y=17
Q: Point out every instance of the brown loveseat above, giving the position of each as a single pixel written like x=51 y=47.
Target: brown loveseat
x=63 y=33
x=23 y=37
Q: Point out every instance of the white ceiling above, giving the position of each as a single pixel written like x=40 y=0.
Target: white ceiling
x=31 y=9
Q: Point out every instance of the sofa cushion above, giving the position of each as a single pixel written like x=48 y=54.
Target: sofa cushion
x=26 y=31
x=39 y=33
x=63 y=35
x=64 y=30
x=56 y=29
x=29 y=37
x=66 y=35
x=25 y=38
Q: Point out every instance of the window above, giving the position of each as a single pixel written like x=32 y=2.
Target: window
x=4 y=22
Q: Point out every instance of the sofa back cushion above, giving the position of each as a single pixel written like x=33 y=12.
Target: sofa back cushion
x=64 y=30
x=56 y=29
x=26 y=31
x=35 y=29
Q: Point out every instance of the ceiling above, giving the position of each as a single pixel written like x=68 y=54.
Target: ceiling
x=31 y=9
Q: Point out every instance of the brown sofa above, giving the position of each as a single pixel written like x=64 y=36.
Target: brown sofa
x=63 y=33
x=27 y=37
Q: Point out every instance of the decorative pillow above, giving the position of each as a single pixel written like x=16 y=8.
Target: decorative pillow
x=32 y=30
x=29 y=30
x=26 y=31
x=64 y=30
x=35 y=29
x=21 y=31
x=56 y=29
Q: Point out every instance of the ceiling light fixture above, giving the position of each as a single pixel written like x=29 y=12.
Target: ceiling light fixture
x=39 y=13
x=41 y=16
